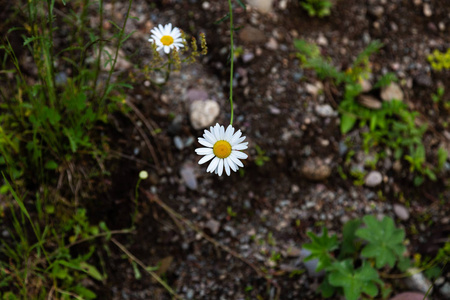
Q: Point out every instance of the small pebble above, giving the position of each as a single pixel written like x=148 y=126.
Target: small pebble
x=401 y=212
x=373 y=179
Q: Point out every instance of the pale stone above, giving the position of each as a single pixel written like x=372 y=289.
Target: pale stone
x=427 y=10
x=391 y=92
x=264 y=6
x=325 y=111
x=369 y=101
x=203 y=113
x=401 y=212
x=373 y=179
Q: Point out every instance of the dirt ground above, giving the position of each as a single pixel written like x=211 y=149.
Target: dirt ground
x=266 y=209
x=274 y=204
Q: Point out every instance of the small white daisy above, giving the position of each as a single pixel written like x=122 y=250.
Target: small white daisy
x=165 y=37
x=223 y=147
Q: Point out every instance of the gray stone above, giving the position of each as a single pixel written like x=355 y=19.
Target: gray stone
x=322 y=40
x=373 y=179
x=427 y=10
x=369 y=101
x=325 y=111
x=247 y=57
x=196 y=94
x=188 y=175
x=252 y=35
x=401 y=212
x=315 y=169
x=213 y=226
x=409 y=296
x=377 y=11
x=178 y=142
x=264 y=6
x=417 y=281
x=203 y=113
x=311 y=265
x=272 y=44
x=314 y=89
x=391 y=92
x=445 y=290
x=423 y=80
x=366 y=86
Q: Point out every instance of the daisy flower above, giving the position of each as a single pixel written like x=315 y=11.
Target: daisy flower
x=165 y=37
x=223 y=147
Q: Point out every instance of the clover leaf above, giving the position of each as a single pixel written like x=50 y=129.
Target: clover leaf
x=354 y=282
x=384 y=240
x=320 y=248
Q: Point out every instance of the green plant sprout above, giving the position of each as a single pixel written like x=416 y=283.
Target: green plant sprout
x=439 y=60
x=392 y=125
x=320 y=8
x=439 y=94
x=380 y=245
x=261 y=157
x=230 y=212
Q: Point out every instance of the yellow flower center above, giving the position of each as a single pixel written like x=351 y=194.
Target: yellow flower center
x=222 y=149
x=167 y=40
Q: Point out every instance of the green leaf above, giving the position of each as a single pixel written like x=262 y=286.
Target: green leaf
x=91 y=271
x=320 y=248
x=442 y=158
x=384 y=241
x=224 y=18
x=348 y=237
x=326 y=289
x=418 y=180
x=84 y=292
x=354 y=282
x=241 y=4
x=347 y=122
x=52 y=115
x=73 y=143
x=59 y=272
x=77 y=102
x=137 y=273
x=51 y=165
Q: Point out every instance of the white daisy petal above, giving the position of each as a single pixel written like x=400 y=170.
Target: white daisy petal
x=220 y=168
x=205 y=142
x=232 y=165
x=160 y=35
x=236 y=160
x=227 y=167
x=239 y=154
x=204 y=151
x=209 y=137
x=229 y=132
x=235 y=137
x=222 y=147
x=217 y=132
x=206 y=158
x=213 y=165
x=242 y=146
x=239 y=140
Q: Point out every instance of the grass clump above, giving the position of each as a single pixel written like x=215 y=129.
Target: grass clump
x=390 y=125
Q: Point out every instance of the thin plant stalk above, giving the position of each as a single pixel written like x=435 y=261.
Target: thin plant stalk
x=231 y=60
x=142 y=265
x=116 y=55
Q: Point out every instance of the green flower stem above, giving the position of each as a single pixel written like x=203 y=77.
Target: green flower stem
x=231 y=60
